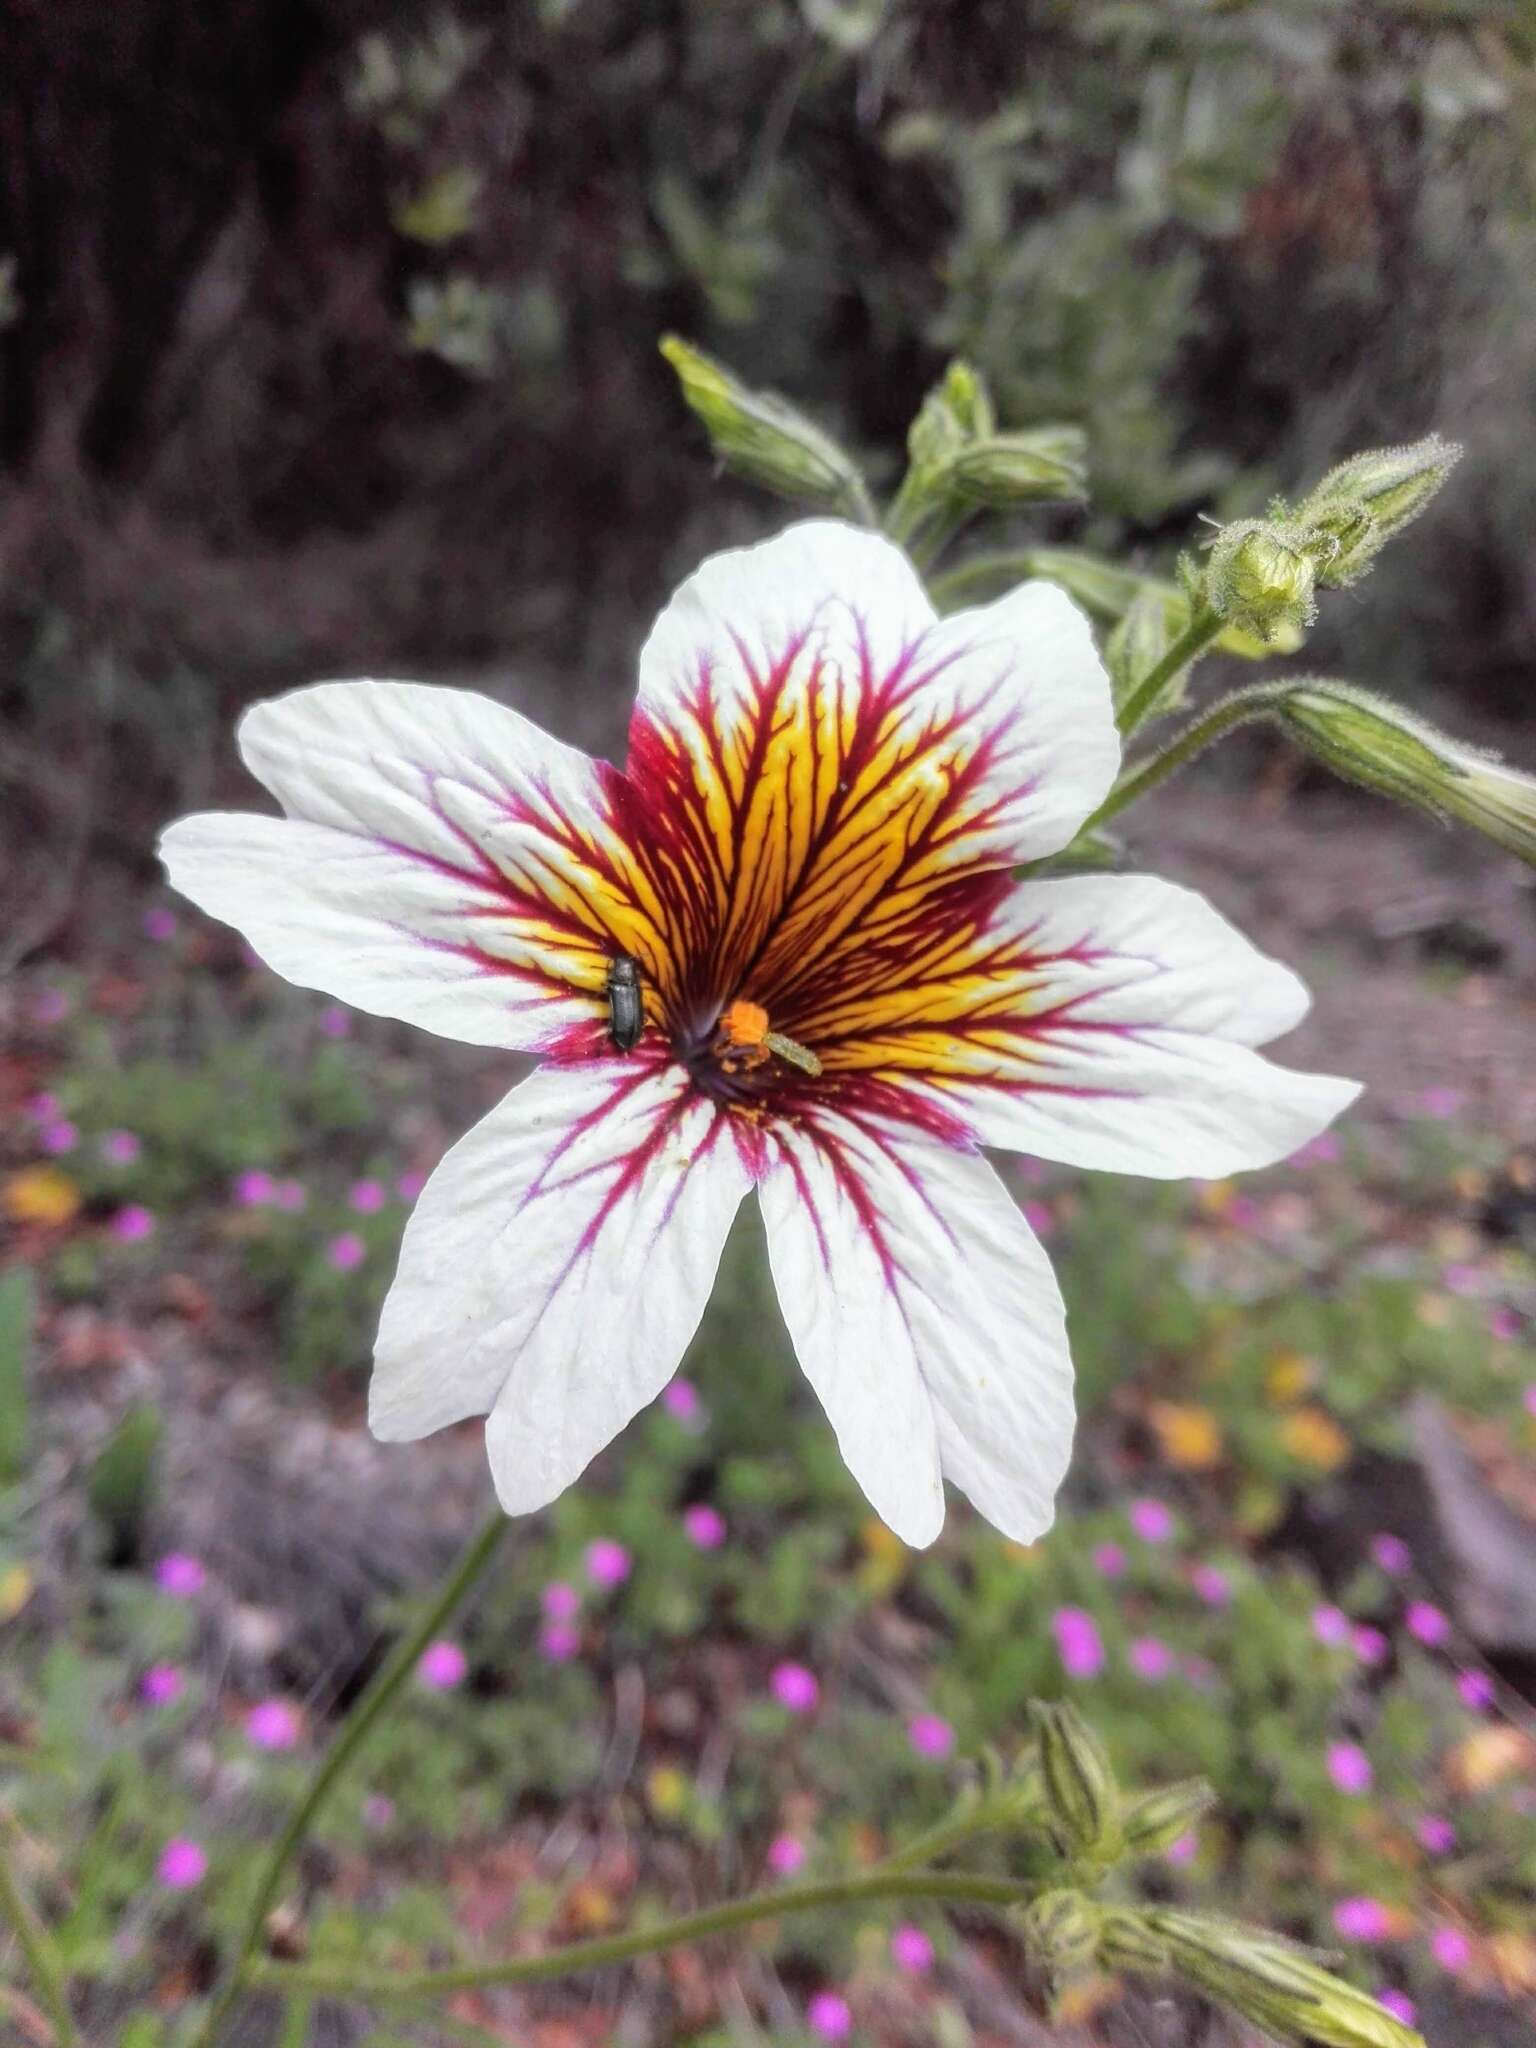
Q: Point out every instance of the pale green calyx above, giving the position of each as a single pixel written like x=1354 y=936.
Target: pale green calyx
x=1036 y=465
x=1360 y=505
x=1082 y=1800
x=1369 y=740
x=762 y=437
x=1157 y=1820
x=1261 y=577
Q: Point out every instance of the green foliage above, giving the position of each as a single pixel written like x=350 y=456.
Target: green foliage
x=120 y=1488
x=18 y=1313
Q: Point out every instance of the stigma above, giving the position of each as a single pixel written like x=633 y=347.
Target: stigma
x=744 y=1040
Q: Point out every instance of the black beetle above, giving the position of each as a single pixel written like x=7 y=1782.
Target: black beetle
x=626 y=1004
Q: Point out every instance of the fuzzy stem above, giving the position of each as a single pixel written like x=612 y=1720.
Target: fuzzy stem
x=1259 y=700
x=956 y=1887
x=1202 y=629
x=359 y=1725
x=42 y=1956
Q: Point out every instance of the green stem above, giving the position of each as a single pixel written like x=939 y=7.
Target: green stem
x=940 y=1839
x=1202 y=629
x=955 y=1887
x=42 y=1956
x=983 y=571
x=1259 y=700
x=359 y=1725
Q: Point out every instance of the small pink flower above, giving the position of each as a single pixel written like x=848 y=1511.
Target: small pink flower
x=1503 y=1325
x=681 y=1400
x=1150 y=1659
x=830 y=2016
x=59 y=1137
x=1399 y=2005
x=182 y=1864
x=1427 y=1623
x=43 y=1108
x=1213 y=1587
x=290 y=1196
x=162 y=1685
x=133 y=1223
x=254 y=1189
x=1151 y=1520
x=1392 y=1554
x=1476 y=1689
x=120 y=1148
x=1450 y=1948
x=1321 y=1151
x=335 y=1022
x=559 y=1642
x=1183 y=1848
x=1349 y=1767
x=368 y=1197
x=1460 y=1278
x=608 y=1563
x=1361 y=1920
x=1436 y=1834
x=1040 y=1219
x=786 y=1854
x=911 y=1950
x=560 y=1602
x=378 y=1811
x=346 y=1252
x=1242 y=1212
x=930 y=1735
x=1078 y=1642
x=1331 y=1626
x=1370 y=1645
x=180 y=1575
x=273 y=1725
x=794 y=1687
x=1108 y=1558
x=1441 y=1103
x=705 y=1526
x=160 y=925
x=443 y=1665
x=410 y=1185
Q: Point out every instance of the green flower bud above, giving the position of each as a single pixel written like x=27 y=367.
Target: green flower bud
x=1365 y=501
x=1126 y=1942
x=1006 y=470
x=1157 y=1819
x=1106 y=591
x=957 y=410
x=1280 y=1987
x=1260 y=578
x=1082 y=1798
x=760 y=436
x=1374 y=742
x=1061 y=1931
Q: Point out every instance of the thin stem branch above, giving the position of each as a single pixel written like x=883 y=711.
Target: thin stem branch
x=940 y=1839
x=359 y=1725
x=1202 y=629
x=1000 y=567
x=956 y=1887
x=1259 y=700
x=38 y=1947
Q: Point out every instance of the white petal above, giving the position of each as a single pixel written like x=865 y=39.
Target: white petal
x=443 y=862
x=928 y=1320
x=555 y=1268
x=1110 y=1024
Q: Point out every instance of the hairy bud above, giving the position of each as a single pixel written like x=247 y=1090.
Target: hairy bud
x=1061 y=1931
x=1261 y=578
x=760 y=436
x=1359 y=506
x=1005 y=470
x=1157 y=1819
x=1126 y=1942
x=1280 y=1987
x=1082 y=1798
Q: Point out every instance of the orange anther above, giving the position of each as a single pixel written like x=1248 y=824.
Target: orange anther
x=744 y=1024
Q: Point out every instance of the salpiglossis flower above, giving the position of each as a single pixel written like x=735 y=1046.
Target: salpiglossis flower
x=810 y=842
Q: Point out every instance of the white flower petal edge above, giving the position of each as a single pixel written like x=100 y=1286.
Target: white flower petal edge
x=443 y=861
x=926 y=1315
x=555 y=1268
x=1137 y=1006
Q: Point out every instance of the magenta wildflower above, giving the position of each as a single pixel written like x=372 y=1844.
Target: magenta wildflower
x=1436 y=1834
x=930 y=1735
x=1151 y=1520
x=1183 y=1848
x=160 y=925
x=786 y=1853
x=346 y=1251
x=704 y=1525
x=1078 y=1642
x=1400 y=2005
x=378 y=1810
x=1039 y=1217
x=274 y=1724
x=1361 y=1919
x=1450 y=1948
x=1503 y=1325
x=43 y=1108
x=410 y=1185
x=368 y=1197
x=1476 y=1689
x=795 y=1687
x=1213 y=1586
x=290 y=1196
x=120 y=1148
x=1331 y=1626
x=132 y=1223
x=1460 y=1278
x=162 y=1685
x=1392 y=1554
x=559 y=1642
x=1349 y=1767
x=180 y=1575
x=680 y=1398
x=1319 y=1151
x=1109 y=1559
x=254 y=1189
x=1427 y=1623
x=443 y=1665
x=1150 y=1659
x=829 y=2015
x=911 y=1950
x=1370 y=1645
x=59 y=1137
x=1441 y=1103
x=335 y=1022
x=608 y=1563
x=182 y=1864
x=560 y=1601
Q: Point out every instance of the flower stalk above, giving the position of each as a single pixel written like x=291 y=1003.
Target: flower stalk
x=37 y=1945
x=1204 y=627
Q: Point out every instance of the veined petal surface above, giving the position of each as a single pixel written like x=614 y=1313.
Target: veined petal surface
x=555 y=1268
x=926 y=1316
x=814 y=753
x=442 y=861
x=1104 y=1021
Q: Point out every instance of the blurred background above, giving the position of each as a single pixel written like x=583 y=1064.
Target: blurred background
x=328 y=345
